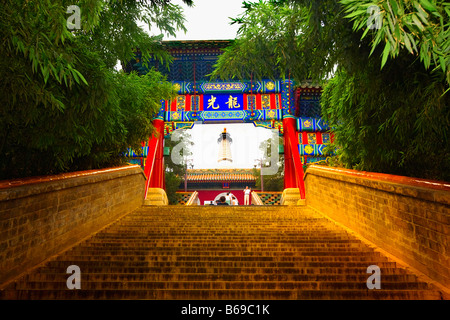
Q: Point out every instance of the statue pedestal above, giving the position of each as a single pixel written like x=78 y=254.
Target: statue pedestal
x=291 y=197
x=156 y=197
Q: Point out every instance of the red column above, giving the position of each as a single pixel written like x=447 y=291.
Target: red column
x=293 y=167
x=289 y=170
x=154 y=165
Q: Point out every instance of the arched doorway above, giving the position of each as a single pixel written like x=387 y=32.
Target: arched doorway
x=209 y=175
x=223 y=194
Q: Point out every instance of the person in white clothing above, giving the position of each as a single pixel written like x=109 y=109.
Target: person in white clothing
x=228 y=199
x=247 y=192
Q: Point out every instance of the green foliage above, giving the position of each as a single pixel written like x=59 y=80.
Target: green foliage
x=120 y=32
x=301 y=39
x=263 y=39
x=392 y=119
x=421 y=27
x=64 y=107
x=173 y=182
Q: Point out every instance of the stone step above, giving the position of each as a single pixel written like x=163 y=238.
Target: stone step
x=361 y=276
x=219 y=285
x=222 y=294
x=213 y=251
x=359 y=258
x=217 y=229
x=284 y=252
x=232 y=236
x=221 y=238
x=201 y=227
x=225 y=244
x=226 y=222
x=89 y=265
x=276 y=253
x=211 y=269
x=203 y=253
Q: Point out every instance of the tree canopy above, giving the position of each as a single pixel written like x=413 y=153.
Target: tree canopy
x=279 y=37
x=385 y=84
x=421 y=27
x=64 y=105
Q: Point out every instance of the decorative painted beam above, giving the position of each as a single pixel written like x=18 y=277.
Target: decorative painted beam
x=312 y=124
x=223 y=115
x=203 y=87
x=311 y=149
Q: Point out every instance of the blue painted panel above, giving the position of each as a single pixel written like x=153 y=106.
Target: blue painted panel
x=223 y=102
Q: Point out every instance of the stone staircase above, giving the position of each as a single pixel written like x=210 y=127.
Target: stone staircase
x=193 y=253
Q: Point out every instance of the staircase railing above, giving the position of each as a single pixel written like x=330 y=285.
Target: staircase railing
x=256 y=200
x=193 y=200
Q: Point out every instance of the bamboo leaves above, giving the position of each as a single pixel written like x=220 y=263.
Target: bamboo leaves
x=64 y=106
x=276 y=38
x=422 y=27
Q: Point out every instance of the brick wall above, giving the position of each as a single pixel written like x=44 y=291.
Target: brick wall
x=42 y=216
x=407 y=217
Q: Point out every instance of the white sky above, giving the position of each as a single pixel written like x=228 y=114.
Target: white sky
x=210 y=20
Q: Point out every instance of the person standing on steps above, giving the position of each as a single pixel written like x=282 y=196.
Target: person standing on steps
x=247 y=192
x=228 y=198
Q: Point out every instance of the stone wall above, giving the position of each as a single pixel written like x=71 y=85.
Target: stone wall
x=40 y=217
x=409 y=218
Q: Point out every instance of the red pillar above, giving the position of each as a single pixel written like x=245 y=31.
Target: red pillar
x=154 y=165
x=293 y=168
x=289 y=170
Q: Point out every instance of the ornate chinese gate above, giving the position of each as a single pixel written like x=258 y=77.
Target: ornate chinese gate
x=274 y=104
